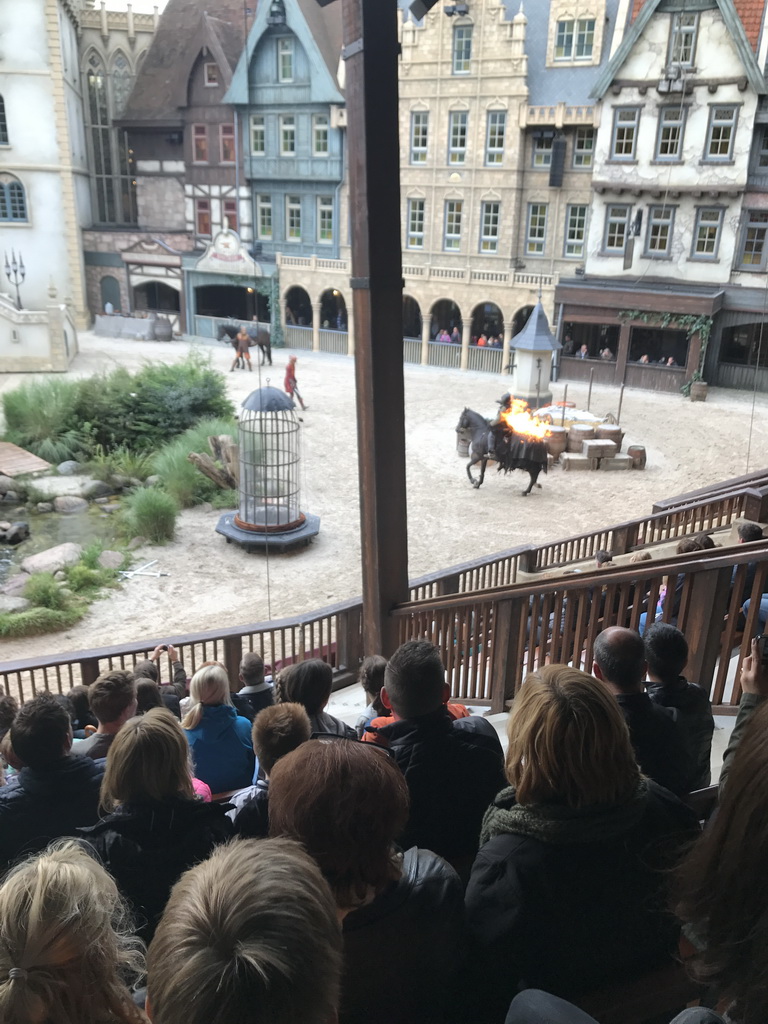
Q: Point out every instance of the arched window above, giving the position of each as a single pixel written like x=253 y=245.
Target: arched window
x=13 y=201
x=112 y=171
x=3 y=124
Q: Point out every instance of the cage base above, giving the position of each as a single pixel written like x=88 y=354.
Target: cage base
x=277 y=542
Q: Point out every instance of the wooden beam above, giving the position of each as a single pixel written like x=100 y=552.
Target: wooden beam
x=371 y=54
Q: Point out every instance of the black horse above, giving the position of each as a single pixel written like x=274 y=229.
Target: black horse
x=257 y=332
x=501 y=445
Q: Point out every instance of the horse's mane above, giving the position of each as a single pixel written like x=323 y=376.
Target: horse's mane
x=475 y=419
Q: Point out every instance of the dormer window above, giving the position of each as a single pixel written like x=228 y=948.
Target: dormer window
x=575 y=39
x=285 y=60
x=682 y=39
x=211 y=75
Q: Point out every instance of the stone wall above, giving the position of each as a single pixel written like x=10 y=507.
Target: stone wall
x=161 y=201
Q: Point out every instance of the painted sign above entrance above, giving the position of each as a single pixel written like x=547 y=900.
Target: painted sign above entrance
x=226 y=254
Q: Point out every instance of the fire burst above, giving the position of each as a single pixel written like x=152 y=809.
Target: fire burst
x=521 y=420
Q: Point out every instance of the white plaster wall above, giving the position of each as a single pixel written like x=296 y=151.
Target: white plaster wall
x=33 y=341
x=41 y=241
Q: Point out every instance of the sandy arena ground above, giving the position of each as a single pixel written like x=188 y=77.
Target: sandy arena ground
x=213 y=584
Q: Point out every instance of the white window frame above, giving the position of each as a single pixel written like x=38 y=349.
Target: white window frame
x=673 y=119
x=324 y=215
x=541 y=152
x=717 y=124
x=584 y=156
x=574 y=39
x=287 y=131
x=321 y=140
x=292 y=206
x=495 y=137
x=612 y=220
x=458 y=131
x=258 y=129
x=584 y=42
x=264 y=213
x=536 y=229
x=683 y=34
x=454 y=212
x=419 y=136
x=564 y=35
x=625 y=120
x=576 y=219
x=660 y=224
x=490 y=225
x=462 y=50
x=211 y=84
x=703 y=229
x=285 y=59
x=415 y=215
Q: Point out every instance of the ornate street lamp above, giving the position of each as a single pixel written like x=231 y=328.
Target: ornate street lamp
x=15 y=271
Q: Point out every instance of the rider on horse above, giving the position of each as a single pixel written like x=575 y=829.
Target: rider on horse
x=499 y=425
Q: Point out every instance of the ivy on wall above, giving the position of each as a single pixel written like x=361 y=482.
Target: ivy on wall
x=691 y=323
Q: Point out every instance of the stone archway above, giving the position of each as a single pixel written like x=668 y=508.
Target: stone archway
x=411 y=318
x=298 y=307
x=333 y=310
x=520 y=319
x=487 y=321
x=445 y=315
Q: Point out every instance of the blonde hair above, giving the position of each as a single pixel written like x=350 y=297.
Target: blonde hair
x=568 y=742
x=148 y=760
x=251 y=933
x=640 y=556
x=209 y=687
x=65 y=942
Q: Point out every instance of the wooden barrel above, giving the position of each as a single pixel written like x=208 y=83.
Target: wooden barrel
x=636 y=452
x=163 y=329
x=557 y=441
x=608 y=432
x=577 y=435
x=462 y=447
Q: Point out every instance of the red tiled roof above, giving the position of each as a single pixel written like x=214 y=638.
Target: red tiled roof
x=750 y=12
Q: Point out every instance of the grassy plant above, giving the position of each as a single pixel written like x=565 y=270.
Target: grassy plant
x=89 y=582
x=150 y=513
x=43 y=591
x=35 y=621
x=104 y=464
x=225 y=499
x=43 y=417
x=33 y=495
x=180 y=477
x=89 y=556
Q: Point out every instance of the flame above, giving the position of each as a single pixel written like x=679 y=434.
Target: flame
x=520 y=419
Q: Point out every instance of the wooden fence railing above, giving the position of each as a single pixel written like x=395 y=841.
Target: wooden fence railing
x=490 y=640
x=334 y=632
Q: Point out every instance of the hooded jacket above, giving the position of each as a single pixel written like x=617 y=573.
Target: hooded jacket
x=454 y=769
x=660 y=745
x=417 y=925
x=695 y=721
x=221 y=748
x=146 y=848
x=569 y=900
x=44 y=804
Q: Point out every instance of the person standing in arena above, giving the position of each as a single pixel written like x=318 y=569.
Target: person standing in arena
x=290 y=384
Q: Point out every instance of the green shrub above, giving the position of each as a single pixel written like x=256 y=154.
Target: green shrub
x=225 y=499
x=35 y=621
x=180 y=478
x=43 y=416
x=43 y=591
x=89 y=556
x=150 y=513
x=136 y=465
x=86 y=581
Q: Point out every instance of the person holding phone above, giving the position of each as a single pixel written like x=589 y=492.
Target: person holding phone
x=754 y=691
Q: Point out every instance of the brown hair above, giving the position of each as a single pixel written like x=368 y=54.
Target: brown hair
x=148 y=760
x=721 y=883
x=568 y=742
x=250 y=934
x=415 y=679
x=640 y=556
x=371 y=678
x=252 y=669
x=307 y=682
x=346 y=802
x=65 y=942
x=749 y=531
x=111 y=694
x=277 y=731
x=147 y=695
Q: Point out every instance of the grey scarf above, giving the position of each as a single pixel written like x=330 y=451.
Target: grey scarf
x=561 y=825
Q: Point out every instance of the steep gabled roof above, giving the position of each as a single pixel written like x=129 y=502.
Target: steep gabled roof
x=732 y=12
x=186 y=26
x=318 y=29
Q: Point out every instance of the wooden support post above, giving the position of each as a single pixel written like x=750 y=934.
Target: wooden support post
x=233 y=655
x=371 y=55
x=706 y=606
x=89 y=671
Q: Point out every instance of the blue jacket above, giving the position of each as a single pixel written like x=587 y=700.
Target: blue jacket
x=221 y=749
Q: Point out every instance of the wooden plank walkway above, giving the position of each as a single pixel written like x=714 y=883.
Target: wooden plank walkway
x=15 y=461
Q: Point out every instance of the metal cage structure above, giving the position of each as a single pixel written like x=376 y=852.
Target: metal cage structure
x=269 y=512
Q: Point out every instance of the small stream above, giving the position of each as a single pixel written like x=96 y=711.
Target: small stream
x=52 y=528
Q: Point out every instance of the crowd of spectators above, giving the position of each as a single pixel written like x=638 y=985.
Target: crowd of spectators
x=225 y=851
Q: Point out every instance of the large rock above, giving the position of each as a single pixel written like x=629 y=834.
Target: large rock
x=6 y=484
x=15 y=533
x=68 y=468
x=44 y=506
x=98 y=489
x=53 y=559
x=9 y=603
x=136 y=542
x=15 y=585
x=110 y=559
x=11 y=497
x=69 y=503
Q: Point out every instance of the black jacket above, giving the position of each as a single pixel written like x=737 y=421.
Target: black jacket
x=146 y=847
x=402 y=951
x=259 y=698
x=568 y=914
x=242 y=706
x=251 y=811
x=325 y=726
x=659 y=742
x=40 y=805
x=695 y=721
x=454 y=769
